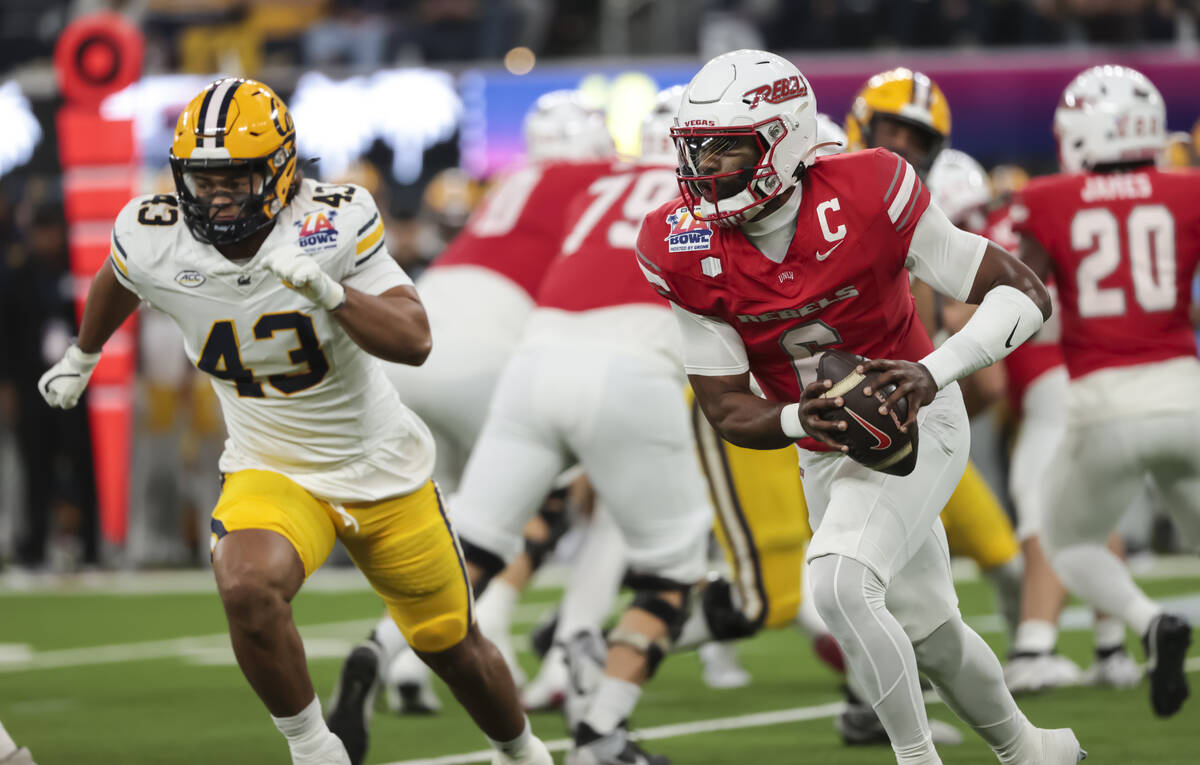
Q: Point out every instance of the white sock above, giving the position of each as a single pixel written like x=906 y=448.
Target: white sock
x=595 y=577
x=1108 y=633
x=1006 y=579
x=614 y=701
x=305 y=732
x=969 y=678
x=1035 y=636
x=517 y=746
x=494 y=609
x=7 y=745
x=390 y=640
x=850 y=598
x=1102 y=579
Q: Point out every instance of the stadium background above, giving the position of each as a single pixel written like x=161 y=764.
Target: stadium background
x=392 y=95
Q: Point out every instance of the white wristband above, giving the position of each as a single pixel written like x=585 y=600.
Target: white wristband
x=85 y=362
x=789 y=421
x=1005 y=318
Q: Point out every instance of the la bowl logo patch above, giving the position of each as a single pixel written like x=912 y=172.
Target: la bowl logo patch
x=317 y=231
x=688 y=233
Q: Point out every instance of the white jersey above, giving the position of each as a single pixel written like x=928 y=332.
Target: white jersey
x=299 y=396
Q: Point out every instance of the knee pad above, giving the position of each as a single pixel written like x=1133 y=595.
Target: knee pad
x=553 y=513
x=672 y=617
x=438 y=634
x=725 y=619
x=489 y=562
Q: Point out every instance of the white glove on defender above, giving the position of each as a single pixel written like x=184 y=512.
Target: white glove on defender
x=64 y=383
x=301 y=273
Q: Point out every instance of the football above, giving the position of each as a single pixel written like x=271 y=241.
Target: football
x=874 y=439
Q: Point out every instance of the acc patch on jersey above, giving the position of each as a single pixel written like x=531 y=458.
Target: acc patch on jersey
x=688 y=233
x=317 y=231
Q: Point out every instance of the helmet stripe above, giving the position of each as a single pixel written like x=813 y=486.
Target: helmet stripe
x=223 y=114
x=921 y=90
x=203 y=114
x=208 y=116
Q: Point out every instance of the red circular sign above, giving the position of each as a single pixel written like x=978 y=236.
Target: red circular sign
x=97 y=55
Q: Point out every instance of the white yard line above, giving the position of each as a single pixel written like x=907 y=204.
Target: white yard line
x=756 y=720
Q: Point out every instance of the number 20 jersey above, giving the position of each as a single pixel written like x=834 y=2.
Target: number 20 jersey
x=1124 y=247
x=299 y=397
x=842 y=283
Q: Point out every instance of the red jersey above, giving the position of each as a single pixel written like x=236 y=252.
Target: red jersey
x=517 y=228
x=1040 y=353
x=842 y=282
x=594 y=268
x=1124 y=247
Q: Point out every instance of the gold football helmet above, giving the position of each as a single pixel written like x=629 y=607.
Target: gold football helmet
x=904 y=96
x=234 y=160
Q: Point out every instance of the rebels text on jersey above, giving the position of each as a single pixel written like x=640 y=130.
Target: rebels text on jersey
x=517 y=229
x=842 y=283
x=1040 y=353
x=1123 y=248
x=594 y=268
x=298 y=395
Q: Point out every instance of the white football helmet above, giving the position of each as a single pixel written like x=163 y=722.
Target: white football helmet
x=1107 y=115
x=747 y=98
x=561 y=125
x=658 y=148
x=959 y=186
x=831 y=139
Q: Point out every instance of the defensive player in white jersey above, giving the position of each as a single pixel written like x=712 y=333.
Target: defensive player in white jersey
x=286 y=297
x=1122 y=240
x=745 y=257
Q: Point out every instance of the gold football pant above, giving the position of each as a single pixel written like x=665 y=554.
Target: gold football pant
x=404 y=545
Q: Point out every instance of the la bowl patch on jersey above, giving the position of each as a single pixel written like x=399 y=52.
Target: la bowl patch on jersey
x=317 y=231
x=688 y=233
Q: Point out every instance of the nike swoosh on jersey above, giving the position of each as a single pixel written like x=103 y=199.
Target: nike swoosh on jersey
x=1008 y=342
x=827 y=253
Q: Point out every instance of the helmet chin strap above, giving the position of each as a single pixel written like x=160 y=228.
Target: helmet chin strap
x=744 y=198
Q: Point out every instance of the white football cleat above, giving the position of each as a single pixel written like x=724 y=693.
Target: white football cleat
x=20 y=757
x=535 y=754
x=721 y=666
x=409 y=686
x=1033 y=673
x=331 y=752
x=1115 y=669
x=549 y=689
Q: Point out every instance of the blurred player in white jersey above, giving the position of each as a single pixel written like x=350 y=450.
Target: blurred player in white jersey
x=597 y=378
x=286 y=297
x=478 y=295
x=1122 y=240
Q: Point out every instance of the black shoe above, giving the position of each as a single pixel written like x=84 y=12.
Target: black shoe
x=858 y=725
x=614 y=748
x=542 y=637
x=1166 y=644
x=353 y=700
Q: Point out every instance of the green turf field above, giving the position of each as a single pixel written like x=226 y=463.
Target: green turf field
x=149 y=678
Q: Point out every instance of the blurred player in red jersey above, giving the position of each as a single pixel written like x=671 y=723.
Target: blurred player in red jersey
x=478 y=295
x=1122 y=240
x=597 y=378
x=769 y=258
x=1036 y=389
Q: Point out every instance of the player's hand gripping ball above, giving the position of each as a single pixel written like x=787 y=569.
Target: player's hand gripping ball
x=873 y=438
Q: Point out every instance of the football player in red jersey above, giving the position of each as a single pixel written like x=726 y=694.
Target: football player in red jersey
x=478 y=295
x=1122 y=240
x=598 y=378
x=771 y=257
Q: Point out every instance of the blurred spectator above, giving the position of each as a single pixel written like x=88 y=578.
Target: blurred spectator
x=357 y=35
x=37 y=322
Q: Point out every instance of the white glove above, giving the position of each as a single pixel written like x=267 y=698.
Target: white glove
x=63 y=383
x=301 y=273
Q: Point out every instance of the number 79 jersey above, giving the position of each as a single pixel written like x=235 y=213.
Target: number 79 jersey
x=1124 y=248
x=299 y=397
